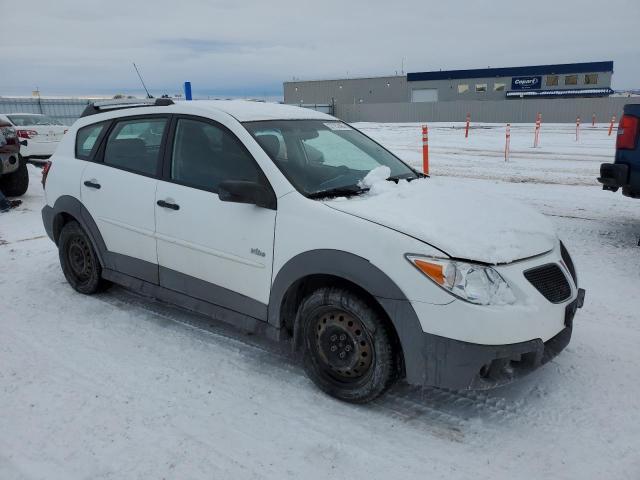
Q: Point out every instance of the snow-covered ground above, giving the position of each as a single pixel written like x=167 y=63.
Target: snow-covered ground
x=117 y=386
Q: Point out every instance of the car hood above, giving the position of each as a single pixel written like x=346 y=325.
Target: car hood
x=463 y=222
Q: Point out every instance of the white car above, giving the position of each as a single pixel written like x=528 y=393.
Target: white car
x=288 y=222
x=39 y=134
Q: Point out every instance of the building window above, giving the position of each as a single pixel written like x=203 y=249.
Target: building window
x=571 y=80
x=552 y=80
x=481 y=87
x=498 y=87
x=464 y=88
x=591 y=79
x=424 y=95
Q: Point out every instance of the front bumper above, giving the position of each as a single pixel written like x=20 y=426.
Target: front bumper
x=461 y=365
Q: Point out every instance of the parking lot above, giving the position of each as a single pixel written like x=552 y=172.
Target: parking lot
x=121 y=386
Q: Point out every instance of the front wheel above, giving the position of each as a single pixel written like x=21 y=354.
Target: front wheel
x=348 y=351
x=79 y=261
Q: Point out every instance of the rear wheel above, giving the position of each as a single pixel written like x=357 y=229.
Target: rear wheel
x=16 y=183
x=348 y=351
x=79 y=261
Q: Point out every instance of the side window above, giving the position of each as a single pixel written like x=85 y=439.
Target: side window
x=135 y=145
x=205 y=155
x=86 y=140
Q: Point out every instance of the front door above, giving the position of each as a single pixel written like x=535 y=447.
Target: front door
x=119 y=191
x=217 y=251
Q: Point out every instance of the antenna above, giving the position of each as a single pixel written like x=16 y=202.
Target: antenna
x=142 y=81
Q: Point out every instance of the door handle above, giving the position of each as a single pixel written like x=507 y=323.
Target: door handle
x=91 y=184
x=172 y=206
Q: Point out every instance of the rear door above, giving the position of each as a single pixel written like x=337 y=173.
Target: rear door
x=217 y=251
x=119 y=191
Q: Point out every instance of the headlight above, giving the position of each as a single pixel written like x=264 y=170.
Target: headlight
x=471 y=282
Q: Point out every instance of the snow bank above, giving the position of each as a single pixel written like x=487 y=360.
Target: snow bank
x=558 y=160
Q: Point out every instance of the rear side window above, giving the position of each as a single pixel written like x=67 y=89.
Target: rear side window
x=205 y=155
x=135 y=145
x=86 y=140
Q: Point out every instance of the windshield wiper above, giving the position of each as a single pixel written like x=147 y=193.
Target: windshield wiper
x=397 y=178
x=347 y=191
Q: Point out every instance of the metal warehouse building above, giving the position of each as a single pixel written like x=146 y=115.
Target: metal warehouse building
x=571 y=80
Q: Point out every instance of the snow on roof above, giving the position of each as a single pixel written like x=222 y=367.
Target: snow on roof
x=244 y=110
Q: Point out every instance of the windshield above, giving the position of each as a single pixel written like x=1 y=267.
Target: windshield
x=318 y=156
x=27 y=120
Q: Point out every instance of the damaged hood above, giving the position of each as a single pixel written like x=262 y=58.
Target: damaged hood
x=463 y=222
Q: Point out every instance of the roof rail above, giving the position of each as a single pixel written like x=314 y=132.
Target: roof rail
x=108 y=105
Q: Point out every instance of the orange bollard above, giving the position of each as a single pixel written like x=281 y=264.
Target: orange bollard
x=425 y=149
x=577 y=129
x=466 y=130
x=536 y=135
x=613 y=120
x=540 y=127
x=507 y=142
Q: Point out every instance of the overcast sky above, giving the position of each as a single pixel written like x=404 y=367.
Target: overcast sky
x=250 y=47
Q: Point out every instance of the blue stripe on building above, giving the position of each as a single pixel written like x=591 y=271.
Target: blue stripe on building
x=558 y=69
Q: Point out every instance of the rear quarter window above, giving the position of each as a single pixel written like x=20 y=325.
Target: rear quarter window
x=87 y=138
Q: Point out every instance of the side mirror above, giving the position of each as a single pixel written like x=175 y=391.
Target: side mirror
x=241 y=191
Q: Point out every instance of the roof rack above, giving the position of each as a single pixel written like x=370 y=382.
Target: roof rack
x=108 y=105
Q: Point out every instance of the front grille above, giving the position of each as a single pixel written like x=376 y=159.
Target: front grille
x=550 y=282
x=568 y=262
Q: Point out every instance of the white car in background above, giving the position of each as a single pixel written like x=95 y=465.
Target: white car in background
x=39 y=134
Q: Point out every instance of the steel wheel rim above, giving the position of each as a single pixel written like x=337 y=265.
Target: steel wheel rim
x=342 y=346
x=80 y=260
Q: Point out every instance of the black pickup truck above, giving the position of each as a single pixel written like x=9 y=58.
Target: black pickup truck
x=624 y=172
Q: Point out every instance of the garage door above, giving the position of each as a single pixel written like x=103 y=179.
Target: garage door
x=424 y=95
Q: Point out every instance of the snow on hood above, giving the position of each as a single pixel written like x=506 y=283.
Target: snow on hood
x=464 y=223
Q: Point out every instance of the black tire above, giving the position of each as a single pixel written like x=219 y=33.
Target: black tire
x=79 y=261
x=15 y=184
x=347 y=347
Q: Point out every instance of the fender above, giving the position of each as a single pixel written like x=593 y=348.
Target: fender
x=73 y=206
x=363 y=273
x=108 y=260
